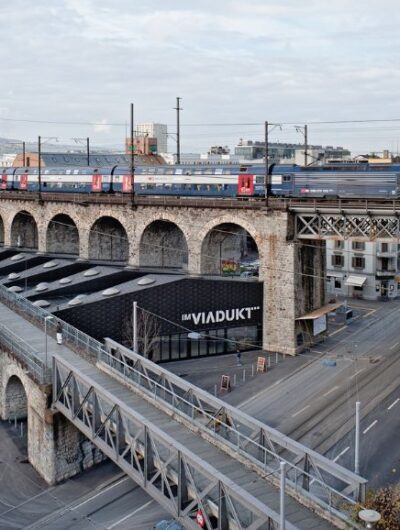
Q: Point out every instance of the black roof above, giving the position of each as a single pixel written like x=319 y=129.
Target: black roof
x=96 y=159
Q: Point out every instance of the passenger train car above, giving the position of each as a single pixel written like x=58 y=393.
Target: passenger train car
x=358 y=180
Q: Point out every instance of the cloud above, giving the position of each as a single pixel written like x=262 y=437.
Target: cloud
x=231 y=61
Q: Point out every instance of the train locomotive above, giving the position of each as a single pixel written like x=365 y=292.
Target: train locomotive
x=336 y=180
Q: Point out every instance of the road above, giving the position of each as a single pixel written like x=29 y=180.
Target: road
x=101 y=498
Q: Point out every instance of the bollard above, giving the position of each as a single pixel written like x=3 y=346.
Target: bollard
x=252 y=370
x=269 y=362
x=276 y=358
x=15 y=422
x=22 y=430
x=244 y=374
x=215 y=390
x=234 y=379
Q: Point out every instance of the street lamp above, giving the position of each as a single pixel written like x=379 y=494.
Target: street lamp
x=49 y=317
x=369 y=517
x=193 y=335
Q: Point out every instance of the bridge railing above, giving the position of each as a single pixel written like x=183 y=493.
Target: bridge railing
x=309 y=474
x=27 y=355
x=177 y=478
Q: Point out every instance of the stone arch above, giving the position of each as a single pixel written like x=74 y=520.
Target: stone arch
x=225 y=245
x=15 y=400
x=163 y=244
x=62 y=235
x=24 y=230
x=108 y=240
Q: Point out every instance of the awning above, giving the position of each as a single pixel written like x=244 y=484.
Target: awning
x=356 y=281
x=321 y=311
x=335 y=274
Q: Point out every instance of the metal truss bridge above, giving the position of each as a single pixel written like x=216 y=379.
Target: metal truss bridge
x=189 y=450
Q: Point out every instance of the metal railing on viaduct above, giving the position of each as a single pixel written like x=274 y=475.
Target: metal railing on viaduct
x=178 y=478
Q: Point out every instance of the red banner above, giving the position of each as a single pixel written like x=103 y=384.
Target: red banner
x=127 y=184
x=97 y=182
x=23 y=182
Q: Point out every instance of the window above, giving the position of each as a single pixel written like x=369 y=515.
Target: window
x=339 y=244
x=338 y=283
x=357 y=262
x=337 y=260
x=357 y=245
x=384 y=247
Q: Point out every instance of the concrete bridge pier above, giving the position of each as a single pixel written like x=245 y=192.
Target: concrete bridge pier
x=56 y=449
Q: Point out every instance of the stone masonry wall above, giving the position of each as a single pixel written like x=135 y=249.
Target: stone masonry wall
x=56 y=449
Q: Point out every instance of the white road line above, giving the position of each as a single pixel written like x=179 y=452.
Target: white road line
x=341 y=454
x=101 y=492
x=370 y=426
x=393 y=404
x=358 y=372
x=130 y=514
x=331 y=390
x=393 y=346
x=277 y=382
x=300 y=411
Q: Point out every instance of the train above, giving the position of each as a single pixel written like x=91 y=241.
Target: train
x=329 y=181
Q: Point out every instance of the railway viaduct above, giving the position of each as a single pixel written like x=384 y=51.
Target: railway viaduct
x=192 y=236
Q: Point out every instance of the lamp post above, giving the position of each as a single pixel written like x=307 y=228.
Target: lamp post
x=357 y=441
x=49 y=317
x=134 y=328
x=370 y=517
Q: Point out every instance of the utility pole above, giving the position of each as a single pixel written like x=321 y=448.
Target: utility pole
x=267 y=179
x=132 y=154
x=282 y=521
x=40 y=167
x=88 y=151
x=23 y=154
x=305 y=145
x=178 y=131
x=357 y=441
x=134 y=328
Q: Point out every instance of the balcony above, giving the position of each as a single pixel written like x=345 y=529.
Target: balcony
x=387 y=254
x=385 y=273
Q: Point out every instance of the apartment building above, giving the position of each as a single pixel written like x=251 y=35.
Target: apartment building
x=363 y=269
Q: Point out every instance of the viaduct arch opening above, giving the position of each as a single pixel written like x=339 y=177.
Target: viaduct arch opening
x=108 y=240
x=62 y=235
x=163 y=244
x=1 y=231
x=24 y=231
x=228 y=248
x=16 y=401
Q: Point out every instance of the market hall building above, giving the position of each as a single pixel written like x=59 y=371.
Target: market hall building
x=225 y=312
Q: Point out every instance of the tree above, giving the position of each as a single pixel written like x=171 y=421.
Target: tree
x=148 y=334
x=386 y=501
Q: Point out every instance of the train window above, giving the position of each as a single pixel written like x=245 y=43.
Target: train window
x=198 y=172
x=260 y=180
x=208 y=171
x=287 y=178
x=169 y=171
x=142 y=186
x=116 y=178
x=243 y=169
x=226 y=171
x=178 y=172
x=218 y=171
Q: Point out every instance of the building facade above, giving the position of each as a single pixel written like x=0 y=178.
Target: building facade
x=154 y=130
x=366 y=269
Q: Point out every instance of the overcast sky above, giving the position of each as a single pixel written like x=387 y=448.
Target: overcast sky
x=231 y=61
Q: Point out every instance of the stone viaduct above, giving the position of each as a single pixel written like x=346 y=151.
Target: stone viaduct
x=194 y=239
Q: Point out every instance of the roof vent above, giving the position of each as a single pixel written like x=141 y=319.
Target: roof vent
x=64 y=281
x=43 y=286
x=41 y=303
x=15 y=289
x=13 y=275
x=17 y=257
x=50 y=264
x=146 y=281
x=77 y=300
x=111 y=291
x=91 y=272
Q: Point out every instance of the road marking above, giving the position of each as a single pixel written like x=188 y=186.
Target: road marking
x=130 y=514
x=356 y=374
x=341 y=454
x=393 y=346
x=393 y=404
x=101 y=492
x=300 y=411
x=370 y=426
x=277 y=382
x=337 y=331
x=331 y=390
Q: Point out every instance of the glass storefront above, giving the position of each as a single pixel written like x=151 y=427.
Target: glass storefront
x=213 y=342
